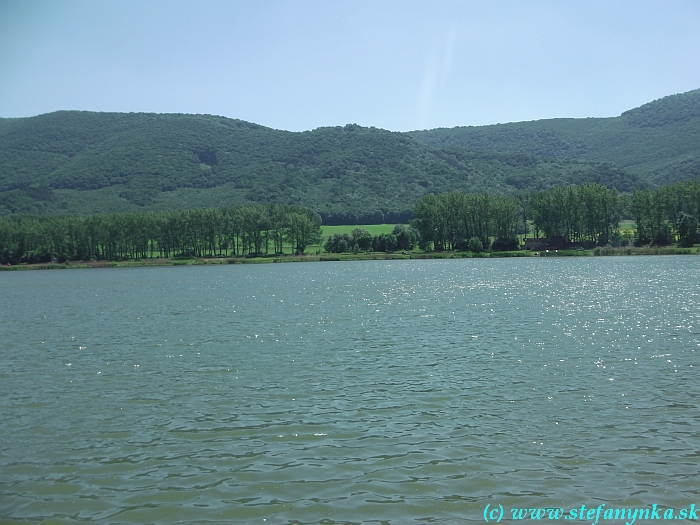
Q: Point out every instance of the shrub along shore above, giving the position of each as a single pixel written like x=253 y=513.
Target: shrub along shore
x=331 y=257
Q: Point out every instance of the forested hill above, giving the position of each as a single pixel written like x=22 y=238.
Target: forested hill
x=83 y=162
x=660 y=141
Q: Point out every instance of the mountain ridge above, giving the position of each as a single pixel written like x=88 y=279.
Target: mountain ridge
x=88 y=162
x=659 y=140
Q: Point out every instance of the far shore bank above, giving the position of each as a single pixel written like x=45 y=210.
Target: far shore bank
x=334 y=257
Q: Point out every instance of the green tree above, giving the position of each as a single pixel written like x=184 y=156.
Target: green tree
x=304 y=229
x=687 y=229
x=362 y=238
x=338 y=243
x=405 y=237
x=385 y=242
x=475 y=245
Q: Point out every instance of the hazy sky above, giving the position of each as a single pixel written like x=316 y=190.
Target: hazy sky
x=298 y=65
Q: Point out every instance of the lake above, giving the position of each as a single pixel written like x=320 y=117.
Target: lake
x=388 y=392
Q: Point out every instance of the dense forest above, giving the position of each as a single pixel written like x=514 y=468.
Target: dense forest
x=659 y=141
x=257 y=229
x=84 y=163
x=587 y=215
x=87 y=163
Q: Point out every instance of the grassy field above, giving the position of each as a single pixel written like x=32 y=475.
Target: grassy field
x=627 y=225
x=328 y=231
x=374 y=229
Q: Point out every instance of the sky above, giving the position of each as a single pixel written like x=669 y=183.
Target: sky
x=302 y=64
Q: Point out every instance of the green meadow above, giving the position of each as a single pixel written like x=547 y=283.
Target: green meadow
x=328 y=231
x=374 y=229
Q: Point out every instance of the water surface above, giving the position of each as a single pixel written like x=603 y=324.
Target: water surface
x=360 y=392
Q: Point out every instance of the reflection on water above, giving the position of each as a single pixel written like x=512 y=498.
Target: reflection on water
x=373 y=392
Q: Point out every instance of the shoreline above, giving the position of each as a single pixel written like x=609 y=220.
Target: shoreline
x=202 y=261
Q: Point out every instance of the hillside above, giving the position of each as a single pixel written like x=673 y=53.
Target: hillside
x=659 y=141
x=83 y=162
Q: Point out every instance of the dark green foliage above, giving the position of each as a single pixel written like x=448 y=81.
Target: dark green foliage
x=475 y=245
x=667 y=214
x=405 y=237
x=88 y=163
x=302 y=229
x=362 y=239
x=338 y=243
x=659 y=141
x=72 y=162
x=385 y=242
x=505 y=245
x=665 y=111
x=586 y=213
x=449 y=220
x=257 y=229
x=687 y=230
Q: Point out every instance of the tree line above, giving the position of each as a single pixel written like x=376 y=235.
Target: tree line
x=256 y=229
x=587 y=214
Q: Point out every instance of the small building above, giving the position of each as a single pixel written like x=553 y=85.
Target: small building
x=535 y=244
x=557 y=242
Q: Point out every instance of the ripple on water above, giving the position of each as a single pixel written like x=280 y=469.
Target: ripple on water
x=397 y=391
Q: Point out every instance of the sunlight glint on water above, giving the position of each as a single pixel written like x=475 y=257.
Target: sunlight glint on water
x=388 y=391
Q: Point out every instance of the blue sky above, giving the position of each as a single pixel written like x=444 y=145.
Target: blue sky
x=299 y=65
